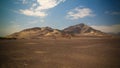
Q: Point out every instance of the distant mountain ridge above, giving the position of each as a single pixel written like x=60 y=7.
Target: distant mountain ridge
x=48 y=32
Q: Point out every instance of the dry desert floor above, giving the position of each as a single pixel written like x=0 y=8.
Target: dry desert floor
x=60 y=53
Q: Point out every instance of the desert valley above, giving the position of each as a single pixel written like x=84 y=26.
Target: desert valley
x=59 y=33
x=78 y=46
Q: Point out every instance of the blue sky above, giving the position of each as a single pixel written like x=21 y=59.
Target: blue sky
x=16 y=15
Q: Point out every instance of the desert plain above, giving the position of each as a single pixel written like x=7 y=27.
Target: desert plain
x=60 y=53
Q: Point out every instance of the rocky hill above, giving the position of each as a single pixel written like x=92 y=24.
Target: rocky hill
x=47 y=32
x=83 y=29
x=37 y=32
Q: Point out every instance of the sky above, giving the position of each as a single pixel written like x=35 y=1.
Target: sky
x=16 y=15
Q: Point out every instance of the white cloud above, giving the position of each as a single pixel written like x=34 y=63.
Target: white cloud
x=40 y=7
x=33 y=13
x=47 y=4
x=112 y=28
x=79 y=12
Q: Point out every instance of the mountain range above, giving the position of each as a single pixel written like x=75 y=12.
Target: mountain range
x=48 y=32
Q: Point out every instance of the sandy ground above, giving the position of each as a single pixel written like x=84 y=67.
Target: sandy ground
x=62 y=53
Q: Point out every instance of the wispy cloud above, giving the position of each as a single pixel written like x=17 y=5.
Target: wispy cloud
x=24 y=1
x=113 y=12
x=79 y=12
x=13 y=27
x=36 y=21
x=40 y=7
x=33 y=22
x=112 y=28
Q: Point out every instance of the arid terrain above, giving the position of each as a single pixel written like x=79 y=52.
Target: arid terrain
x=60 y=53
